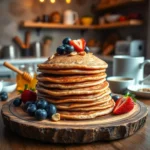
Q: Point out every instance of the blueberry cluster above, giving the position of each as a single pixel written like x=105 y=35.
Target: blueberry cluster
x=41 y=109
x=3 y=96
x=66 y=48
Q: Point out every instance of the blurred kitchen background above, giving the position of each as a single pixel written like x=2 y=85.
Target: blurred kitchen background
x=31 y=30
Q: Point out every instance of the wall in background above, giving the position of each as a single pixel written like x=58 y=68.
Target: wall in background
x=12 y=12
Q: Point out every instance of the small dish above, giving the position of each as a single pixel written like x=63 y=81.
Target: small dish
x=86 y=20
x=119 y=84
x=1 y=85
x=135 y=90
x=9 y=86
x=112 y=18
x=95 y=49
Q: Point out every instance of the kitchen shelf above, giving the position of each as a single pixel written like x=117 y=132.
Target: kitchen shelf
x=117 y=4
x=30 y=24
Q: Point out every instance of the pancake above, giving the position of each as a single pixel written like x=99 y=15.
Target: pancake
x=105 y=105
x=86 y=90
x=71 y=71
x=88 y=61
x=85 y=115
x=70 y=79
x=85 y=104
x=70 y=85
x=75 y=99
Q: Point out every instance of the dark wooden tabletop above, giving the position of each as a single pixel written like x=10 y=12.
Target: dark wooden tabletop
x=139 y=141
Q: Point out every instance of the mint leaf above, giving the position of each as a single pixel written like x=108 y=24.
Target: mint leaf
x=128 y=94
x=25 y=86
x=32 y=89
x=20 y=91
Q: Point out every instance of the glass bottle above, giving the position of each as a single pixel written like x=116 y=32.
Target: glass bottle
x=29 y=68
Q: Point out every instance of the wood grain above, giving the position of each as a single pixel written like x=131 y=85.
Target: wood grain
x=11 y=141
x=105 y=6
x=109 y=127
x=31 y=24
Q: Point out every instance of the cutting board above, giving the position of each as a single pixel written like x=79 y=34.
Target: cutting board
x=108 y=127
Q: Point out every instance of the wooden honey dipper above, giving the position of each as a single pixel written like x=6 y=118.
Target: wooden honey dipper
x=25 y=75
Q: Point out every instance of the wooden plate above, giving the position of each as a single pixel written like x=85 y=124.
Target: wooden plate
x=108 y=127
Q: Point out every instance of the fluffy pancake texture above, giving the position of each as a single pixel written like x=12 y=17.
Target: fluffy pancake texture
x=75 y=98
x=71 y=71
x=76 y=85
x=70 y=79
x=88 y=61
x=70 y=85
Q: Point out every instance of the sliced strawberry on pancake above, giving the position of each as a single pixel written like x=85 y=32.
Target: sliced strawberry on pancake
x=79 y=44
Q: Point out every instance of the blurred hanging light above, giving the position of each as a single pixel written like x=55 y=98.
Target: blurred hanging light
x=52 y=1
x=68 y=1
x=41 y=1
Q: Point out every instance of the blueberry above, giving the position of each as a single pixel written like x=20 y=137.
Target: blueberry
x=51 y=109
x=3 y=96
x=27 y=104
x=31 y=109
x=61 y=50
x=69 y=48
x=17 y=102
x=3 y=93
x=115 y=97
x=41 y=114
x=41 y=104
x=87 y=50
x=66 y=40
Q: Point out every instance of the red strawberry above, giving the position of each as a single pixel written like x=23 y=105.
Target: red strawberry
x=123 y=105
x=79 y=44
x=28 y=95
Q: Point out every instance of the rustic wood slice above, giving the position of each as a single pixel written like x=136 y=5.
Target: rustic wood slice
x=109 y=127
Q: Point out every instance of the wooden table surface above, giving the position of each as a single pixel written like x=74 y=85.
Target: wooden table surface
x=139 y=141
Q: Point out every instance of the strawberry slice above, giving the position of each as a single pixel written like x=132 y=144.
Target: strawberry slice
x=28 y=94
x=123 y=105
x=79 y=44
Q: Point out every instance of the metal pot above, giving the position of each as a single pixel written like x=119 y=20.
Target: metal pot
x=36 y=49
x=9 y=52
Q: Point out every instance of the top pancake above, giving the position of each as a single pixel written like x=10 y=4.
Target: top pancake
x=88 y=61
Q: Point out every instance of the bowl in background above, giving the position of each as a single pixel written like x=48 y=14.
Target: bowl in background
x=136 y=89
x=9 y=86
x=86 y=20
x=1 y=85
x=112 y=18
x=94 y=49
x=119 y=84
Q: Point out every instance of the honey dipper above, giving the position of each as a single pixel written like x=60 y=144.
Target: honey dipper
x=25 y=75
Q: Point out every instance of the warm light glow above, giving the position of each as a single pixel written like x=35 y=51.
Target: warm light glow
x=52 y=1
x=41 y=1
x=68 y=1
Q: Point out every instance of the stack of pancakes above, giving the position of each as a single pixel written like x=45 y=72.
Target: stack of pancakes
x=76 y=85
